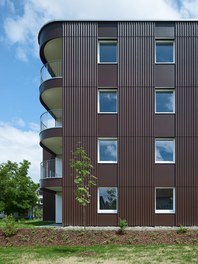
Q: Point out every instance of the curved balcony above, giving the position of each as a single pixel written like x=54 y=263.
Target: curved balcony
x=51 y=93
x=50 y=70
x=47 y=182
x=50 y=41
x=51 y=169
x=51 y=119
x=51 y=131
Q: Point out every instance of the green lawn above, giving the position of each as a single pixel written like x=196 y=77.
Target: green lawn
x=26 y=223
x=102 y=254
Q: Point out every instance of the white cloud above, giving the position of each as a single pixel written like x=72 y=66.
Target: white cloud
x=110 y=96
x=164 y=149
x=189 y=8
x=109 y=148
x=21 y=54
x=170 y=102
x=34 y=127
x=19 y=122
x=21 y=29
x=18 y=145
x=186 y=8
x=111 y=151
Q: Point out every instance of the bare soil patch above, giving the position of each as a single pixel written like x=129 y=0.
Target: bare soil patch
x=60 y=237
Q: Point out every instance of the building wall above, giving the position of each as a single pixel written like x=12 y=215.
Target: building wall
x=48 y=205
x=80 y=114
x=135 y=76
x=186 y=122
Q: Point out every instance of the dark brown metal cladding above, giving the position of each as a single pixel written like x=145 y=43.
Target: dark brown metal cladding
x=107 y=30
x=107 y=125
x=164 y=30
x=47 y=155
x=80 y=115
x=107 y=175
x=48 y=205
x=164 y=175
x=164 y=75
x=107 y=75
x=136 y=122
x=186 y=121
x=164 y=125
x=164 y=219
x=135 y=76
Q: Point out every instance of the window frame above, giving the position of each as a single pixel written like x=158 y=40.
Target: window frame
x=107 y=139
x=107 y=41
x=165 y=90
x=163 y=211
x=164 y=41
x=107 y=90
x=165 y=162
x=103 y=211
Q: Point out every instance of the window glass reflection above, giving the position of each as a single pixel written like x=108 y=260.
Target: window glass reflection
x=164 y=150
x=108 y=198
x=164 y=102
x=164 y=52
x=108 y=150
x=108 y=52
x=107 y=101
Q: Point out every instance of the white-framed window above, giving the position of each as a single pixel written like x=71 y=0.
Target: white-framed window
x=164 y=150
x=107 y=200
x=164 y=101
x=107 y=101
x=165 y=51
x=164 y=200
x=107 y=150
x=107 y=51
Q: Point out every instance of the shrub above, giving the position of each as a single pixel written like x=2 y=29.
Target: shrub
x=181 y=230
x=10 y=226
x=38 y=213
x=122 y=226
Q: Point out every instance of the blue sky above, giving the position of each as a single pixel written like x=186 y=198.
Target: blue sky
x=20 y=21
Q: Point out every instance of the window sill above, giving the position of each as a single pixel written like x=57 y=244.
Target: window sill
x=164 y=212
x=164 y=113
x=108 y=113
x=108 y=63
x=107 y=162
x=164 y=162
x=165 y=63
x=107 y=212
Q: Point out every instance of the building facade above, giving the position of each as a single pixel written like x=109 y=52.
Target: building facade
x=128 y=92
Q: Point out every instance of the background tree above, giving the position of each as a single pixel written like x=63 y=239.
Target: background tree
x=17 y=190
x=84 y=180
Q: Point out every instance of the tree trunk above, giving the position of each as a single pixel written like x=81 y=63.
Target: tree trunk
x=84 y=218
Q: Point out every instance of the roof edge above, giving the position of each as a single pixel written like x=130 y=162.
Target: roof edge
x=115 y=20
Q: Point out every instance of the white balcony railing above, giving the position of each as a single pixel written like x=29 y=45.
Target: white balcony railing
x=51 y=169
x=52 y=69
x=51 y=119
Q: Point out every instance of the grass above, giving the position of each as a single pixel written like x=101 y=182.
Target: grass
x=102 y=254
x=27 y=223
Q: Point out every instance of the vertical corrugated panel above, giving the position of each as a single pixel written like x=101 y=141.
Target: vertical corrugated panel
x=80 y=104
x=136 y=122
x=186 y=122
